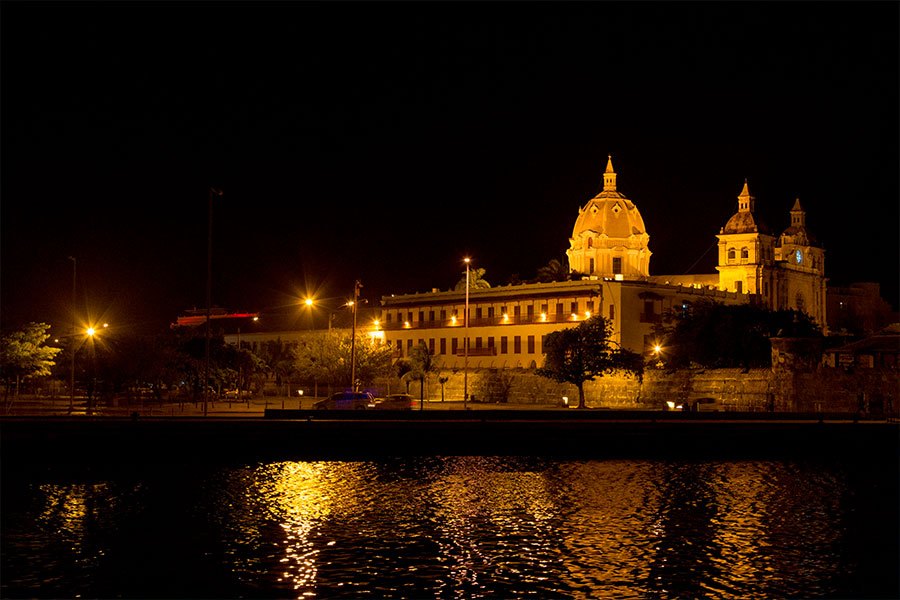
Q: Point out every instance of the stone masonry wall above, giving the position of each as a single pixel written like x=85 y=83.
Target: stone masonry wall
x=871 y=391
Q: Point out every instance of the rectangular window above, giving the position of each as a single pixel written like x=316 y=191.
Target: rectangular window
x=617 y=265
x=478 y=343
x=478 y=312
x=388 y=317
x=421 y=316
x=431 y=345
x=530 y=310
x=503 y=310
x=409 y=344
x=517 y=344
x=443 y=315
x=559 y=308
x=454 y=346
x=612 y=312
x=400 y=316
x=591 y=267
x=421 y=342
x=517 y=311
x=574 y=308
x=544 y=308
x=443 y=345
x=490 y=312
x=530 y=344
x=590 y=306
x=649 y=307
x=409 y=316
x=491 y=344
x=431 y=315
x=399 y=348
x=504 y=344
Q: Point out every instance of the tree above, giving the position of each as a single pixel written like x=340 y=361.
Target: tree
x=713 y=335
x=554 y=270
x=422 y=363
x=23 y=355
x=326 y=358
x=476 y=281
x=582 y=353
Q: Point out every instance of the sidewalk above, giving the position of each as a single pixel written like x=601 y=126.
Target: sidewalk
x=255 y=407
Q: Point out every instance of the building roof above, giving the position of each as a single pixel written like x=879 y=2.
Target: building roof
x=609 y=213
x=744 y=221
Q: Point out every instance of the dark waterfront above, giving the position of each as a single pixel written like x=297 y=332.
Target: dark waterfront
x=453 y=526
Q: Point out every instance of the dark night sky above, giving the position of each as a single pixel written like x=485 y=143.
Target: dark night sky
x=386 y=141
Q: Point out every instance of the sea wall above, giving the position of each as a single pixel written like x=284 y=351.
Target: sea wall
x=870 y=391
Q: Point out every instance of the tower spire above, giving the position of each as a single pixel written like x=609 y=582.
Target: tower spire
x=798 y=215
x=609 y=176
x=746 y=202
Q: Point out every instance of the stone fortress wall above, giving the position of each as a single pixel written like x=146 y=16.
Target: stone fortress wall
x=870 y=391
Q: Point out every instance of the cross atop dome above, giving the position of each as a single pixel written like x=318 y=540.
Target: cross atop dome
x=609 y=176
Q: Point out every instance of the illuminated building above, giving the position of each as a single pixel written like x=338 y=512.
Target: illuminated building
x=609 y=248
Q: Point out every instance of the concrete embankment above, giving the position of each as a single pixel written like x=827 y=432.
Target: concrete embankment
x=28 y=442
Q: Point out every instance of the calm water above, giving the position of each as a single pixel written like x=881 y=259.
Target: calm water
x=454 y=527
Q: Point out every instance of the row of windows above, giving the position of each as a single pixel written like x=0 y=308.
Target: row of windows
x=476 y=345
x=488 y=312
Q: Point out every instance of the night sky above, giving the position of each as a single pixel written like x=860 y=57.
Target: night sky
x=385 y=141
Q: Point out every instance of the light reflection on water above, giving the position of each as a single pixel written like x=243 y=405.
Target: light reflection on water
x=441 y=527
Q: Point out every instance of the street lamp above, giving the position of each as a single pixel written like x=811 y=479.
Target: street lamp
x=466 y=260
x=354 y=304
x=212 y=192
x=74 y=328
x=309 y=304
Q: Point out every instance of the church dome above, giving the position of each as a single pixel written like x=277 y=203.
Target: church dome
x=609 y=238
x=609 y=213
x=744 y=221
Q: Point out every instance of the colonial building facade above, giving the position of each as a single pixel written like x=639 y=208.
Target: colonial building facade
x=609 y=247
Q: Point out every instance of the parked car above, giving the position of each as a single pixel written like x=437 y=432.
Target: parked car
x=235 y=394
x=396 y=402
x=346 y=401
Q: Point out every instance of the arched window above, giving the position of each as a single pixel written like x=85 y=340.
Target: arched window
x=590 y=242
x=745 y=254
x=731 y=254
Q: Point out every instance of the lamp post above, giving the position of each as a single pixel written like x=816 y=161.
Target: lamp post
x=356 y=287
x=74 y=328
x=212 y=192
x=466 y=260
x=309 y=304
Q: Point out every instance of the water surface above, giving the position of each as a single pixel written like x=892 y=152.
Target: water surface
x=454 y=527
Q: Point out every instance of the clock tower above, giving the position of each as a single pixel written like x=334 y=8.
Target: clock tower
x=802 y=265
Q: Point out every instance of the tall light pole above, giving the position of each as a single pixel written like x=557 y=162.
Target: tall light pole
x=356 y=287
x=74 y=328
x=466 y=260
x=212 y=192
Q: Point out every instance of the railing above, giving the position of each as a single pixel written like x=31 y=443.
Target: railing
x=484 y=351
x=485 y=321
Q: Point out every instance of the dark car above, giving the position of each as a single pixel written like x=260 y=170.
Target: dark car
x=346 y=401
x=395 y=402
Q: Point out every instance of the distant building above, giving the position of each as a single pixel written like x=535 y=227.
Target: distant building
x=609 y=247
x=858 y=309
x=881 y=350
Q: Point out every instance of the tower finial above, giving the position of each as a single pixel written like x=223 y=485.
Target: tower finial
x=746 y=202
x=609 y=176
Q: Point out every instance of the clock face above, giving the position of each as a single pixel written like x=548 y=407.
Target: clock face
x=798 y=256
